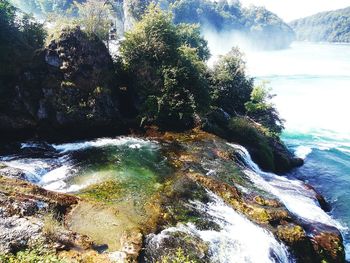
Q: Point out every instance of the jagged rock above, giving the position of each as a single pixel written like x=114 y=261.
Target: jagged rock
x=204 y=163
x=12 y=172
x=328 y=243
x=131 y=243
x=268 y=152
x=163 y=247
x=23 y=211
x=69 y=85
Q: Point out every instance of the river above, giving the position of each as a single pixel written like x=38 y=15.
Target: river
x=312 y=86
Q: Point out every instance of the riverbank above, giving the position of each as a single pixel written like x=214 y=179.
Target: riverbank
x=190 y=185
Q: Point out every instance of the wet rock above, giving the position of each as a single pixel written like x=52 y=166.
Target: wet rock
x=23 y=209
x=268 y=152
x=12 y=172
x=166 y=245
x=328 y=243
x=131 y=243
x=267 y=202
x=300 y=245
x=321 y=200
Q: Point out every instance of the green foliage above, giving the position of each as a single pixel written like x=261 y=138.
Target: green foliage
x=167 y=65
x=20 y=36
x=138 y=7
x=260 y=25
x=249 y=134
x=95 y=17
x=231 y=88
x=260 y=109
x=179 y=257
x=190 y=35
x=332 y=26
x=38 y=254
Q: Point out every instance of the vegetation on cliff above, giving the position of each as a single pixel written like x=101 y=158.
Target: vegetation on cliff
x=331 y=26
x=20 y=36
x=160 y=77
x=253 y=23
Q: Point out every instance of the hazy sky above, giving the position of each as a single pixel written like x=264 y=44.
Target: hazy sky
x=292 y=9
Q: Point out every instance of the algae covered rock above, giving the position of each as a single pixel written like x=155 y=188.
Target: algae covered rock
x=23 y=209
x=268 y=151
x=175 y=245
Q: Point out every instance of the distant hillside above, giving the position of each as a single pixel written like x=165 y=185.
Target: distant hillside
x=260 y=27
x=332 y=26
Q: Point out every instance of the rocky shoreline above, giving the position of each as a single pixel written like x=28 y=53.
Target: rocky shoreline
x=24 y=209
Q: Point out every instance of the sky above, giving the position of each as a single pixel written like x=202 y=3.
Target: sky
x=293 y=9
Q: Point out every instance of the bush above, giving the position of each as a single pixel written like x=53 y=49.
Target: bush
x=166 y=65
x=249 y=134
x=39 y=253
x=262 y=110
x=20 y=36
x=230 y=87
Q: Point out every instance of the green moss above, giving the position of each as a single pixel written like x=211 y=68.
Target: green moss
x=39 y=253
x=291 y=233
x=105 y=191
x=178 y=257
x=67 y=84
x=248 y=134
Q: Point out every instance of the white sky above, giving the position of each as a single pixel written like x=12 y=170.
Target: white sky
x=292 y=9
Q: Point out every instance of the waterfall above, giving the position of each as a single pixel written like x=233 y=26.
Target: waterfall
x=297 y=198
x=239 y=239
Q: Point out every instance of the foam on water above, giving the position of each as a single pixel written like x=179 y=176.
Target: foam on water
x=131 y=142
x=239 y=240
x=33 y=168
x=293 y=193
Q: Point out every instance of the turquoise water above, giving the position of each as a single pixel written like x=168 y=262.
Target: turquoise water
x=312 y=84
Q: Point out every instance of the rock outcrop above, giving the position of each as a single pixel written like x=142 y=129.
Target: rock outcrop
x=69 y=85
x=269 y=152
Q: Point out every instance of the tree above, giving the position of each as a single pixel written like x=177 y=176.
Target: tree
x=167 y=68
x=190 y=35
x=20 y=36
x=94 y=16
x=230 y=87
x=262 y=110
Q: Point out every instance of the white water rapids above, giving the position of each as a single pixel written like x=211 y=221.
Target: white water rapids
x=239 y=239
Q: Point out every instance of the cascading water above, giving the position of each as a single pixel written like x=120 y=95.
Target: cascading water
x=239 y=240
x=56 y=164
x=311 y=81
x=298 y=199
x=138 y=169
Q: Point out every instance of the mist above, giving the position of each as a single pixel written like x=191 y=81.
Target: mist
x=221 y=42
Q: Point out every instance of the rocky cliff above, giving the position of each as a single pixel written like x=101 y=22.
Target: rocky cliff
x=68 y=85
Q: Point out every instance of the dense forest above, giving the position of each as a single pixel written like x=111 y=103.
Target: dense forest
x=332 y=26
x=254 y=23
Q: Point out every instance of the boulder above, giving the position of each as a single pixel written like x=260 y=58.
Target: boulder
x=69 y=86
